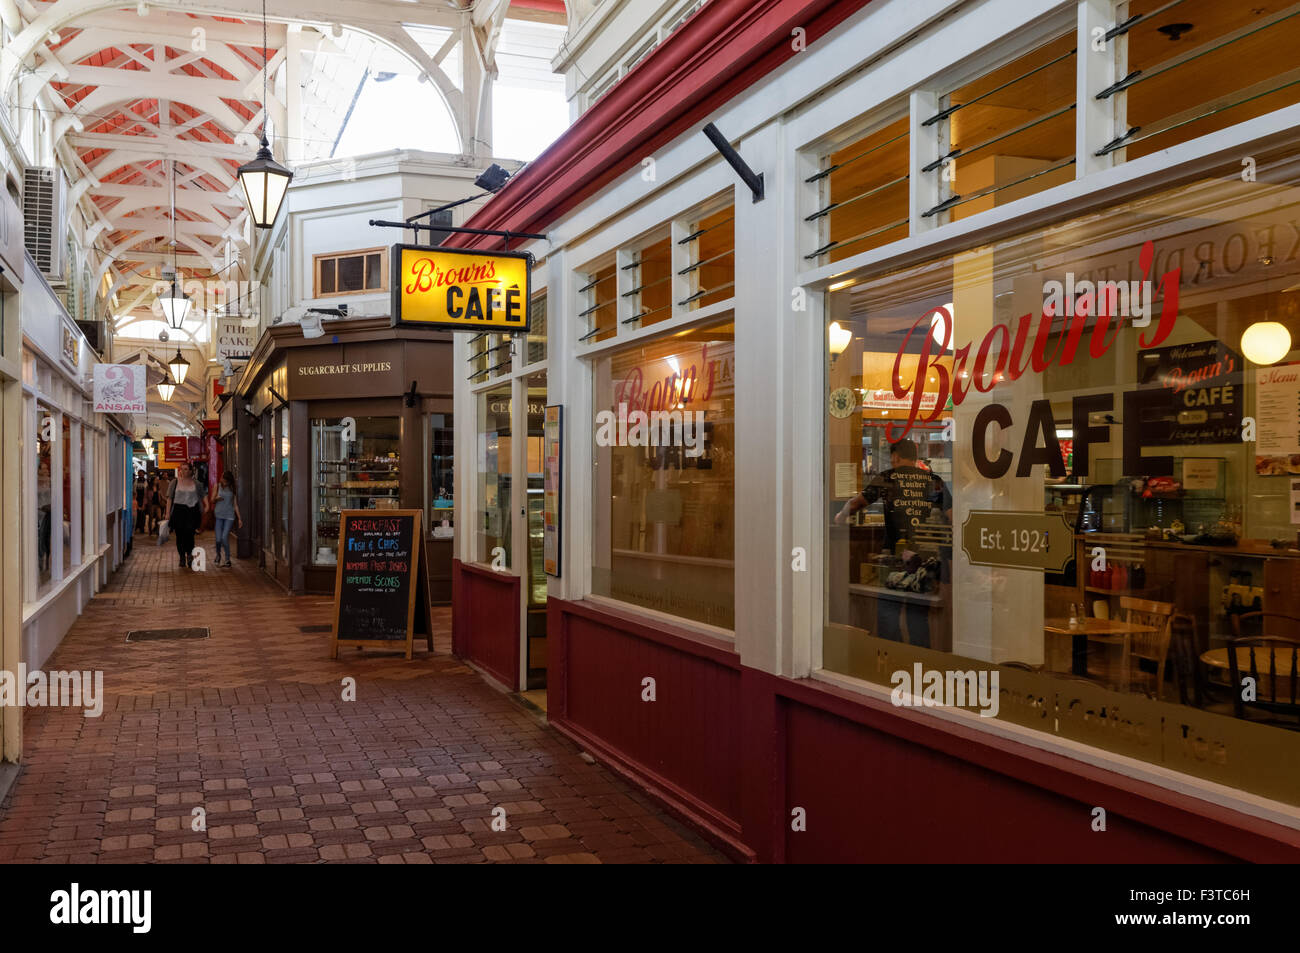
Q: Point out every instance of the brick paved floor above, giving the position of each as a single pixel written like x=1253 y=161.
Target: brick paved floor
x=250 y=726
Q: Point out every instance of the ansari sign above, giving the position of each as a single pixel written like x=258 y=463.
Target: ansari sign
x=456 y=289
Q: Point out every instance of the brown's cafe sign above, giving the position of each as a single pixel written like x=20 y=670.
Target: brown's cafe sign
x=455 y=289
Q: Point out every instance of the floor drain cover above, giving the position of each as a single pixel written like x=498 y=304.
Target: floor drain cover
x=165 y=635
x=315 y=628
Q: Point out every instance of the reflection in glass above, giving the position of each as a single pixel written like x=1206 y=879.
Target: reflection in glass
x=663 y=492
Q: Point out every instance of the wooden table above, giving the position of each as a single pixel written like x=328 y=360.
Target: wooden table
x=1216 y=661
x=1104 y=631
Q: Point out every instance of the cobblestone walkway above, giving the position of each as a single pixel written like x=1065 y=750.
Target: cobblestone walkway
x=250 y=725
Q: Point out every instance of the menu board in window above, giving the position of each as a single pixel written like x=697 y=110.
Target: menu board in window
x=378 y=577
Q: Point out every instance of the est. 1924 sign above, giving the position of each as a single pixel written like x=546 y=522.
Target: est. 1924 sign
x=456 y=289
x=1012 y=540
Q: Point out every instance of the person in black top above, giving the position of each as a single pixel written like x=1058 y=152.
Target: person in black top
x=907 y=494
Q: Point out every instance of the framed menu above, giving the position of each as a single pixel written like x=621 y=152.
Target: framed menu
x=1277 y=417
x=378 y=579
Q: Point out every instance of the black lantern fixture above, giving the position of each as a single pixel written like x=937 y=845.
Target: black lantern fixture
x=175 y=305
x=179 y=367
x=166 y=387
x=264 y=180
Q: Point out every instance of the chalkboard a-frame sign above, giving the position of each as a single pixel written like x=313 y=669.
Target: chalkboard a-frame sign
x=378 y=579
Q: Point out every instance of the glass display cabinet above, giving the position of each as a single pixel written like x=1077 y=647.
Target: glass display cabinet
x=362 y=473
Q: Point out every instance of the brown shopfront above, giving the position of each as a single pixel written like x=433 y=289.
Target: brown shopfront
x=359 y=418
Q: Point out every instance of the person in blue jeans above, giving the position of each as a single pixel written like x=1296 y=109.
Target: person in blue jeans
x=226 y=514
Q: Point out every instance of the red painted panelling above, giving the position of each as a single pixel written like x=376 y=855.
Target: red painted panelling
x=485 y=623
x=871 y=797
x=893 y=784
x=686 y=743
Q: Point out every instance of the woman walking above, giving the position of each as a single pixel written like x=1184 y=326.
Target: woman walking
x=226 y=513
x=186 y=505
x=156 y=501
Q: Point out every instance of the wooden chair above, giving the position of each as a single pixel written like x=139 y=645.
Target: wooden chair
x=1280 y=656
x=1148 y=646
x=1194 y=686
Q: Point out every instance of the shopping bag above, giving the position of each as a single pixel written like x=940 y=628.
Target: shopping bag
x=164 y=531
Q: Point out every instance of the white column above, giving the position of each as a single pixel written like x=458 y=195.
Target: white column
x=295 y=144
x=777 y=396
x=76 y=466
x=925 y=144
x=18 y=547
x=31 y=428
x=1095 y=119
x=56 y=493
x=519 y=511
x=465 y=459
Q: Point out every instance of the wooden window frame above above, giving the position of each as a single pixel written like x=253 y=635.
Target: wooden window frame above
x=361 y=253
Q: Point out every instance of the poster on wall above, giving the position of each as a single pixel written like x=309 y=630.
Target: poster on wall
x=1277 y=420
x=176 y=449
x=120 y=389
x=1204 y=383
x=552 y=434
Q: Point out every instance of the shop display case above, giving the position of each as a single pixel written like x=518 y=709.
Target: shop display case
x=357 y=474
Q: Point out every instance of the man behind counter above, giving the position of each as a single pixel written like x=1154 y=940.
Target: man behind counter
x=907 y=494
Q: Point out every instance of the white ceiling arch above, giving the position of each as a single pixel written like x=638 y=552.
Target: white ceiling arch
x=150 y=91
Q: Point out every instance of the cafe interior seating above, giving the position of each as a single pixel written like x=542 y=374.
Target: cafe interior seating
x=1194 y=685
x=1147 y=651
x=1272 y=661
x=1149 y=647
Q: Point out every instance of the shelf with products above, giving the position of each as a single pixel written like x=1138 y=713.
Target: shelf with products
x=356 y=467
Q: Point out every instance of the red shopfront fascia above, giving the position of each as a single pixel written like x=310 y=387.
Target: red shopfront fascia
x=877 y=783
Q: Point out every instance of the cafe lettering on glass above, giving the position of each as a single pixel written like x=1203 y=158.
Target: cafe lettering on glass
x=1006 y=356
x=461 y=290
x=685 y=389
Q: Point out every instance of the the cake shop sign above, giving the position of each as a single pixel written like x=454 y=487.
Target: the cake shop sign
x=1005 y=354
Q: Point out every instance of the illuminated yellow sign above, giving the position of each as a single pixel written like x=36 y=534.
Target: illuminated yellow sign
x=461 y=290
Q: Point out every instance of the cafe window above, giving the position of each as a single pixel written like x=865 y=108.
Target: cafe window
x=1197 y=66
x=536 y=343
x=441 y=475
x=357 y=466
x=709 y=274
x=282 y=469
x=492 y=533
x=1069 y=460
x=861 y=199
x=649 y=271
x=356 y=272
x=598 y=300
x=663 y=481
x=1009 y=133
x=490 y=355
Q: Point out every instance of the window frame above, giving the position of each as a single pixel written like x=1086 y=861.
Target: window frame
x=362 y=253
